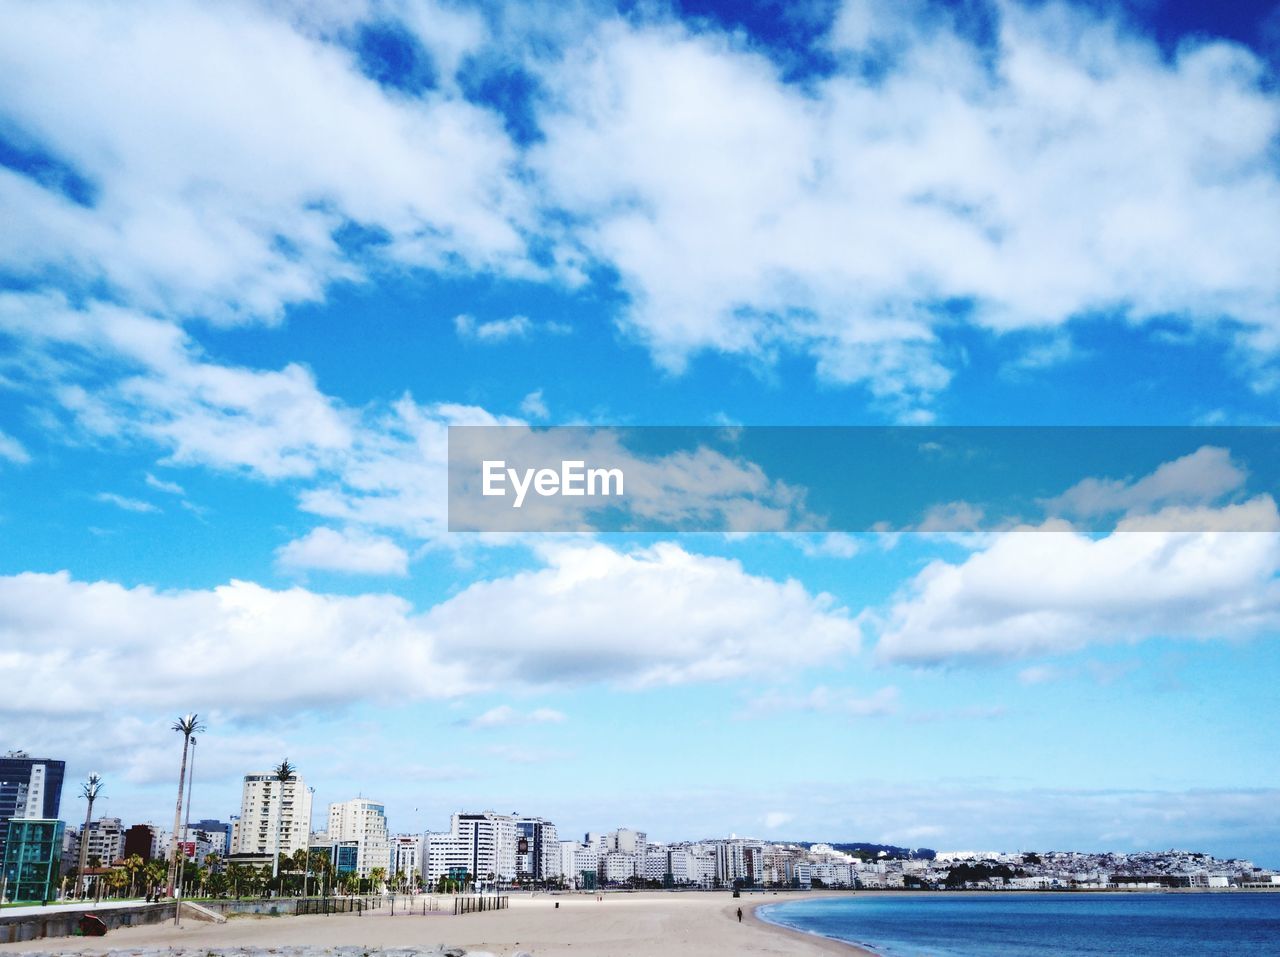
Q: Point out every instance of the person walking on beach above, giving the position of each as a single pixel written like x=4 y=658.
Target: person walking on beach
x=739 y=915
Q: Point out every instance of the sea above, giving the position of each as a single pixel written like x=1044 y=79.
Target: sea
x=951 y=924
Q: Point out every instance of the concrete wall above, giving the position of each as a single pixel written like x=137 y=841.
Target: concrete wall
x=65 y=923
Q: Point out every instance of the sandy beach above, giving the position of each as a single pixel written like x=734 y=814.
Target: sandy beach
x=620 y=925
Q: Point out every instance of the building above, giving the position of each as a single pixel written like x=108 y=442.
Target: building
x=32 y=858
x=580 y=864
x=274 y=817
x=106 y=841
x=537 y=850
x=29 y=788
x=364 y=822
x=406 y=858
x=342 y=855
x=481 y=845
x=144 y=840
x=219 y=834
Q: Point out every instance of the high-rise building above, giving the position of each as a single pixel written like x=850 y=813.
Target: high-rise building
x=29 y=788
x=364 y=822
x=273 y=816
x=406 y=857
x=106 y=840
x=537 y=849
x=482 y=845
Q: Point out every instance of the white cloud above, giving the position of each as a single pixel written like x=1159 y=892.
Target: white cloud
x=1071 y=169
x=349 y=550
x=227 y=147
x=504 y=716
x=12 y=449
x=656 y=616
x=660 y=616
x=260 y=651
x=826 y=700
x=1053 y=590
x=1199 y=478
x=495 y=330
x=128 y=504
x=830 y=545
x=775 y=819
x=533 y=406
x=161 y=485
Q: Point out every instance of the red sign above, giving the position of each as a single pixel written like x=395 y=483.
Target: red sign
x=188 y=848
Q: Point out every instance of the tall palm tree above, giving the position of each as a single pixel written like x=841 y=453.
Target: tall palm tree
x=188 y=725
x=90 y=790
x=284 y=771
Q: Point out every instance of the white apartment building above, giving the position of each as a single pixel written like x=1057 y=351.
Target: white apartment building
x=575 y=859
x=628 y=841
x=106 y=840
x=406 y=857
x=364 y=822
x=482 y=844
x=273 y=816
x=537 y=849
x=617 y=867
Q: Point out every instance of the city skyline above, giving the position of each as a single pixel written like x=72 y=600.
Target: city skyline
x=258 y=258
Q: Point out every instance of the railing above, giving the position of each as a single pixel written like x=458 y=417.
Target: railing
x=331 y=905
x=474 y=905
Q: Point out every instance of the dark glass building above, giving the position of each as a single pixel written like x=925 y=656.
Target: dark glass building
x=28 y=785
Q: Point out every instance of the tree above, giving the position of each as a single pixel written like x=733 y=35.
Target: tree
x=187 y=725
x=236 y=875
x=90 y=790
x=377 y=877
x=117 y=880
x=299 y=864
x=284 y=772
x=133 y=865
x=155 y=872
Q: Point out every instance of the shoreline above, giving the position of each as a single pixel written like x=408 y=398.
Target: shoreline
x=834 y=944
x=643 y=924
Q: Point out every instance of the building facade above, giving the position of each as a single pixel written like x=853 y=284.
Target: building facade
x=105 y=837
x=537 y=850
x=30 y=868
x=482 y=845
x=364 y=822
x=274 y=816
x=29 y=788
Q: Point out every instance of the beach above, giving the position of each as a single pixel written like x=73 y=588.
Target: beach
x=620 y=925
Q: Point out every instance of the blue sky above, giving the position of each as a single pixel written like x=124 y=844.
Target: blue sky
x=257 y=259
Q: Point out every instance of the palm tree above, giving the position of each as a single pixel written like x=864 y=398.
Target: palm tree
x=377 y=876
x=154 y=871
x=90 y=790
x=235 y=874
x=133 y=867
x=284 y=772
x=188 y=725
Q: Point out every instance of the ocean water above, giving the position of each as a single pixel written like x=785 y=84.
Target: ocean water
x=949 y=924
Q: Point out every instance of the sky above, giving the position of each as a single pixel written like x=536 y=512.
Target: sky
x=256 y=259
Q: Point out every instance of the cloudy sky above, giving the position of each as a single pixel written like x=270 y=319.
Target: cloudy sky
x=256 y=259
